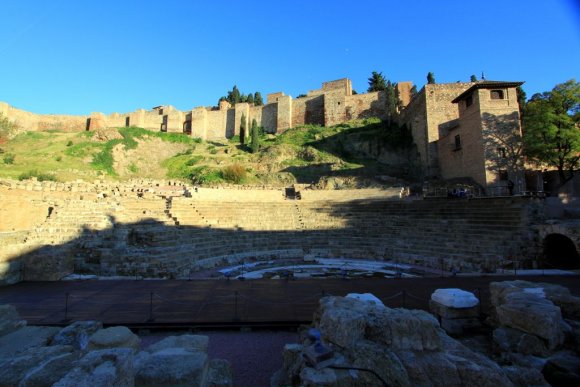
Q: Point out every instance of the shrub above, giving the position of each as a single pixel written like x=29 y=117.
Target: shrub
x=234 y=173
x=58 y=158
x=6 y=127
x=201 y=175
x=133 y=168
x=193 y=160
x=69 y=143
x=40 y=176
x=9 y=158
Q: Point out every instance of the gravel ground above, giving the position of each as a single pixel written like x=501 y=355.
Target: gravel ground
x=254 y=356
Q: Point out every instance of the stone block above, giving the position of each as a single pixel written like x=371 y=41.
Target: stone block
x=77 y=334
x=533 y=314
x=24 y=339
x=114 y=337
x=43 y=364
x=450 y=312
x=106 y=367
x=513 y=340
x=455 y=298
x=173 y=367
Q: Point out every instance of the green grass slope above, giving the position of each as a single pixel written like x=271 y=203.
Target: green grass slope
x=355 y=150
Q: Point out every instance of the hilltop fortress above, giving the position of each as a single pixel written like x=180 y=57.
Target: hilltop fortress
x=451 y=123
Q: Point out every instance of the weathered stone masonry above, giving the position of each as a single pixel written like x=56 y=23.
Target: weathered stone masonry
x=332 y=104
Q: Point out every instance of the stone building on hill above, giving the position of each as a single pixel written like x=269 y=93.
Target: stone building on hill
x=461 y=130
x=468 y=130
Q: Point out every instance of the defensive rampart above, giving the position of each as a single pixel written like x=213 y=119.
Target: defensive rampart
x=334 y=103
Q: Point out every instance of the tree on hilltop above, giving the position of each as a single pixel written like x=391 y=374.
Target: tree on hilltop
x=234 y=96
x=430 y=78
x=552 y=128
x=377 y=82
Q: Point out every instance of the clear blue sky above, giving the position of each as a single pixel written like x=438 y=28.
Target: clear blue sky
x=82 y=56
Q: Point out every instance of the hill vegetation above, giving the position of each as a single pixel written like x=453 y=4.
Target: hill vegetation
x=352 y=153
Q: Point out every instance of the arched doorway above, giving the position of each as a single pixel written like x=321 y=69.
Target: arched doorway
x=560 y=252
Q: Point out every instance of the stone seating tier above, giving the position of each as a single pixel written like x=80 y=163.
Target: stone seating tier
x=158 y=236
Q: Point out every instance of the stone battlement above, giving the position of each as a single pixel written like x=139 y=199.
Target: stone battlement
x=332 y=104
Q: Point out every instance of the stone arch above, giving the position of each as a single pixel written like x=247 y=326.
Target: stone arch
x=560 y=252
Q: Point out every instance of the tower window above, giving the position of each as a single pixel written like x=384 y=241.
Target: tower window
x=496 y=94
x=457 y=144
x=469 y=101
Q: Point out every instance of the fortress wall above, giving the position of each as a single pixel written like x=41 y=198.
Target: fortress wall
x=414 y=116
x=173 y=121
x=308 y=110
x=217 y=121
x=334 y=108
x=34 y=122
x=439 y=107
x=466 y=161
x=343 y=85
x=114 y=120
x=284 y=119
x=502 y=117
x=426 y=113
x=242 y=109
x=269 y=117
x=146 y=119
x=265 y=116
x=199 y=122
x=404 y=90
x=365 y=106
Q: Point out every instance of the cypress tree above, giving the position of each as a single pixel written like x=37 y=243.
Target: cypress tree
x=473 y=78
x=250 y=99
x=255 y=137
x=430 y=78
x=258 y=99
x=243 y=129
x=392 y=100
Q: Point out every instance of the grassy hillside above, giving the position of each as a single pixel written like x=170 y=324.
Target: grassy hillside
x=354 y=151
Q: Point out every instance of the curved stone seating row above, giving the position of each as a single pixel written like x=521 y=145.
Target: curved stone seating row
x=158 y=236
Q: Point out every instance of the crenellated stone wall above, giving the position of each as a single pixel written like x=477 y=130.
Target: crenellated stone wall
x=330 y=105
